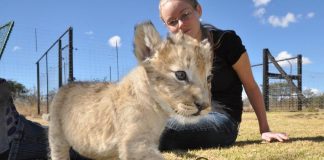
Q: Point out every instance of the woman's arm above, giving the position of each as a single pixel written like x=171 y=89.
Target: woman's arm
x=243 y=69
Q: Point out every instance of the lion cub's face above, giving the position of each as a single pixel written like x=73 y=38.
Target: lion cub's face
x=178 y=69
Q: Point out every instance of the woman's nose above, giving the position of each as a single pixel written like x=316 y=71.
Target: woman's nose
x=180 y=24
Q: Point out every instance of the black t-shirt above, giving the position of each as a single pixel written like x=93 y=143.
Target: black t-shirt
x=226 y=86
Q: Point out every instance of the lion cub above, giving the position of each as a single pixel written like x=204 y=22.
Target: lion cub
x=125 y=120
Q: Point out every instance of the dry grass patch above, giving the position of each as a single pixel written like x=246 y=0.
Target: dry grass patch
x=306 y=131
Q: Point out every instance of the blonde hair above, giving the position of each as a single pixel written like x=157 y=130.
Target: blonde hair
x=193 y=3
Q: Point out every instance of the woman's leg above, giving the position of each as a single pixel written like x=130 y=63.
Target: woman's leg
x=4 y=139
x=212 y=130
x=20 y=138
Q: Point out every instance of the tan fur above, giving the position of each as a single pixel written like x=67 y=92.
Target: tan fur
x=125 y=120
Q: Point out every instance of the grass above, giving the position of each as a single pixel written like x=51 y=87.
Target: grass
x=305 y=129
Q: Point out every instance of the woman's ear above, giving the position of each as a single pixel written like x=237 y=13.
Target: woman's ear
x=199 y=10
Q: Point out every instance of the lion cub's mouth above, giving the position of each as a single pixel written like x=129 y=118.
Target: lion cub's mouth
x=200 y=107
x=189 y=110
x=197 y=113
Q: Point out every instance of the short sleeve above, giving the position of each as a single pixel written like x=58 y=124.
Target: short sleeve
x=231 y=43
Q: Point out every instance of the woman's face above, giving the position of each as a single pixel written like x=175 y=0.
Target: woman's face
x=179 y=15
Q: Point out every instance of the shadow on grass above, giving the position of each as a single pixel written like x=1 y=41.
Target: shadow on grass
x=247 y=142
x=312 y=139
x=186 y=154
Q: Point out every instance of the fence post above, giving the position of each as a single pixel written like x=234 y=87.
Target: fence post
x=265 y=88
x=47 y=83
x=71 y=77
x=60 y=63
x=38 y=89
x=299 y=70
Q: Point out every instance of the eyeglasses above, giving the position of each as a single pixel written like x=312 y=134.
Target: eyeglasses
x=186 y=15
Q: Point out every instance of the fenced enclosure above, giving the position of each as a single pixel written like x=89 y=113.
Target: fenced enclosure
x=5 y=31
x=54 y=68
x=64 y=58
x=285 y=93
x=282 y=85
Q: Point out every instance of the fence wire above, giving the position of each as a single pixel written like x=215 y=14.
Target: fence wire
x=96 y=61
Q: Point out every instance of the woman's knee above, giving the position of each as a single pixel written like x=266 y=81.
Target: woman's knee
x=213 y=130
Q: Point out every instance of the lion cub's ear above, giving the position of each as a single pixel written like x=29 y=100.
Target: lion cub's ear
x=146 y=40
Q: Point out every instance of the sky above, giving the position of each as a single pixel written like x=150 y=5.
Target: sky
x=287 y=28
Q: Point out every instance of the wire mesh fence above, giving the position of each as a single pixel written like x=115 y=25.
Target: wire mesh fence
x=282 y=84
x=5 y=31
x=96 y=61
x=93 y=61
x=52 y=64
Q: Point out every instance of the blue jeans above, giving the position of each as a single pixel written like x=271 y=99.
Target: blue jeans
x=31 y=143
x=213 y=130
x=21 y=139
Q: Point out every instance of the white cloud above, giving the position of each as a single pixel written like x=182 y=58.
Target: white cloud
x=283 y=22
x=306 y=60
x=259 y=12
x=285 y=55
x=16 y=48
x=258 y=3
x=310 y=15
x=314 y=91
x=274 y=20
x=89 y=33
x=113 y=40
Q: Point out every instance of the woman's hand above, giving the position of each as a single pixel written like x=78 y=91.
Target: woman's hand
x=270 y=136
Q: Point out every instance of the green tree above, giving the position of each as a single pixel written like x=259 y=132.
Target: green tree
x=16 y=88
x=281 y=90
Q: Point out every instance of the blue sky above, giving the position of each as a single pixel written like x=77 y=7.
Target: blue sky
x=287 y=28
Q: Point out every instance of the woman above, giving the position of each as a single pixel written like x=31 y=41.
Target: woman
x=231 y=69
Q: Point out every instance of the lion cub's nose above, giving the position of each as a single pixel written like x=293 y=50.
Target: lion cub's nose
x=201 y=106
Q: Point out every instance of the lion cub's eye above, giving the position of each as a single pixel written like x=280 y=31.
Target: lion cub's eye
x=181 y=75
x=209 y=78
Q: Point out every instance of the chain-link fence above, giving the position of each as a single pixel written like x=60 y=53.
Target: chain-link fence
x=5 y=31
x=282 y=85
x=33 y=60
x=97 y=61
x=54 y=69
